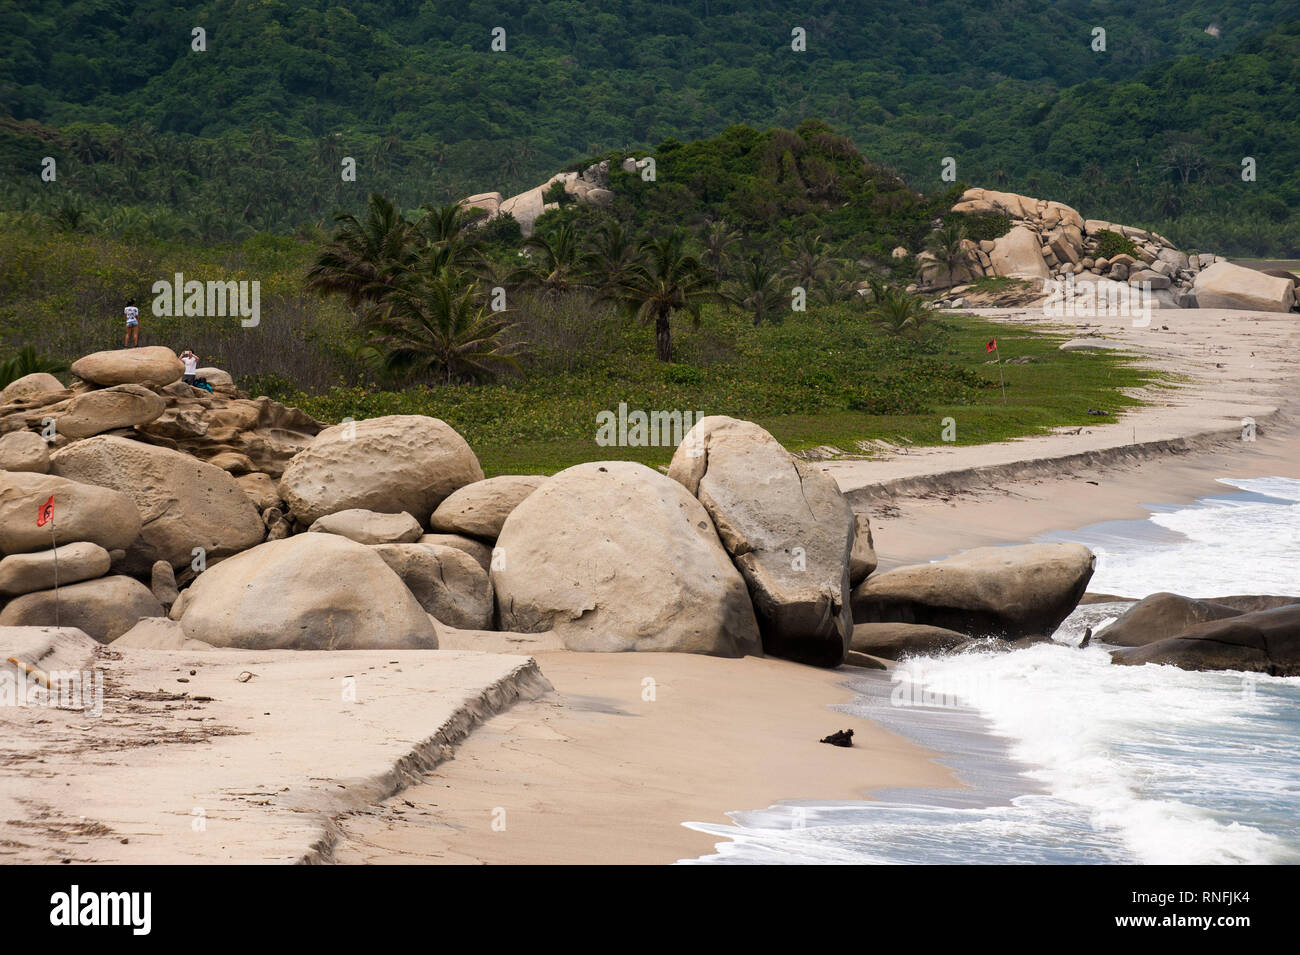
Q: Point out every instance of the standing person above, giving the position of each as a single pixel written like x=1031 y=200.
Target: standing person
x=132 y=324
x=191 y=362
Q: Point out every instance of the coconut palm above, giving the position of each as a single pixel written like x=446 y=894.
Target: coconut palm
x=432 y=324
x=718 y=238
x=668 y=280
x=612 y=254
x=809 y=260
x=364 y=255
x=945 y=244
x=758 y=291
x=895 y=309
x=26 y=361
x=558 y=264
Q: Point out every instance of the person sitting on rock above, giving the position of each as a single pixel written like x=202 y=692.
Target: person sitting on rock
x=191 y=362
x=132 y=324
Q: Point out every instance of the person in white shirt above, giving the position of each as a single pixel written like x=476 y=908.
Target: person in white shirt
x=132 y=324
x=191 y=362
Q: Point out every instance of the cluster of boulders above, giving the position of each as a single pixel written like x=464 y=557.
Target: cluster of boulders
x=382 y=533
x=1255 y=633
x=1051 y=241
x=591 y=185
x=182 y=516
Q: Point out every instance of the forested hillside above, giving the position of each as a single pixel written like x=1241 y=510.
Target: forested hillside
x=155 y=138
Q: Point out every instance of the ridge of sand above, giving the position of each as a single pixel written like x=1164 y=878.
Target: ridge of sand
x=189 y=764
x=1231 y=365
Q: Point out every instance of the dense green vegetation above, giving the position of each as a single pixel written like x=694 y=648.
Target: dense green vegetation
x=154 y=139
x=835 y=375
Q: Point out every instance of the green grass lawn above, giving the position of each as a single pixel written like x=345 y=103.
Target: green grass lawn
x=823 y=378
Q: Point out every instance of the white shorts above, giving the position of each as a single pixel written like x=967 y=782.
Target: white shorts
x=132 y=321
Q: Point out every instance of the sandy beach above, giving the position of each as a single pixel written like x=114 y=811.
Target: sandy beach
x=625 y=748
x=592 y=774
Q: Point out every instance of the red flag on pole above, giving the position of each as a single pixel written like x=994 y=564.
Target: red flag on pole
x=992 y=346
x=45 y=512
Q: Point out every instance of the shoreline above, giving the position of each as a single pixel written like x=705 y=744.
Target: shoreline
x=923 y=505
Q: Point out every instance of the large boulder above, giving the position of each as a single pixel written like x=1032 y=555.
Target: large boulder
x=105 y=608
x=614 y=556
x=309 y=592
x=391 y=464
x=1159 y=617
x=183 y=503
x=1006 y=592
x=37 y=383
x=1265 y=641
x=1248 y=603
x=82 y=512
x=42 y=569
x=479 y=509
x=895 y=640
x=24 y=451
x=481 y=552
x=370 y=527
x=154 y=366
x=787 y=527
x=1224 y=285
x=447 y=582
x=1018 y=254
x=122 y=406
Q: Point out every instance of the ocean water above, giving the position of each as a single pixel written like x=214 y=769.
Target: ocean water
x=1068 y=759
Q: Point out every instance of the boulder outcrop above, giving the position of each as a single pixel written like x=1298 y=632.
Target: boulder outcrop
x=1007 y=592
x=615 y=556
x=309 y=592
x=391 y=464
x=786 y=526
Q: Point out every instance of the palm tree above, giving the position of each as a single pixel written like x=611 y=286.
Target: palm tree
x=430 y=323
x=809 y=259
x=946 y=245
x=895 y=309
x=757 y=289
x=669 y=280
x=26 y=361
x=612 y=255
x=718 y=238
x=559 y=265
x=364 y=255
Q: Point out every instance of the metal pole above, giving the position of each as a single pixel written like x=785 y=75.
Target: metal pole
x=55 y=544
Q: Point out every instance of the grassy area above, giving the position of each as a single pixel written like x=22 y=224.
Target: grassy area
x=825 y=377
x=805 y=381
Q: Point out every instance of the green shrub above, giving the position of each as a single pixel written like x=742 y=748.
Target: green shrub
x=1111 y=244
x=981 y=226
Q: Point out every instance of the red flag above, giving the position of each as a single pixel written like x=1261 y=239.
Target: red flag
x=992 y=346
x=45 y=512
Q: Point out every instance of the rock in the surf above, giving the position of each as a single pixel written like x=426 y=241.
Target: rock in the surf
x=1008 y=592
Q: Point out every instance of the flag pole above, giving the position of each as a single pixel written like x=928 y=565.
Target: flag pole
x=55 y=545
x=1000 y=378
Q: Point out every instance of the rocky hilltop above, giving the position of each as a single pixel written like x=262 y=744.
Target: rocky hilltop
x=1051 y=241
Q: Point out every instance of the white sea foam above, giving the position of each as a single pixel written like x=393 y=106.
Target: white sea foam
x=1125 y=764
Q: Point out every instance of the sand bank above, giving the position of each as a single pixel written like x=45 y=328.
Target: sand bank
x=596 y=773
x=191 y=763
